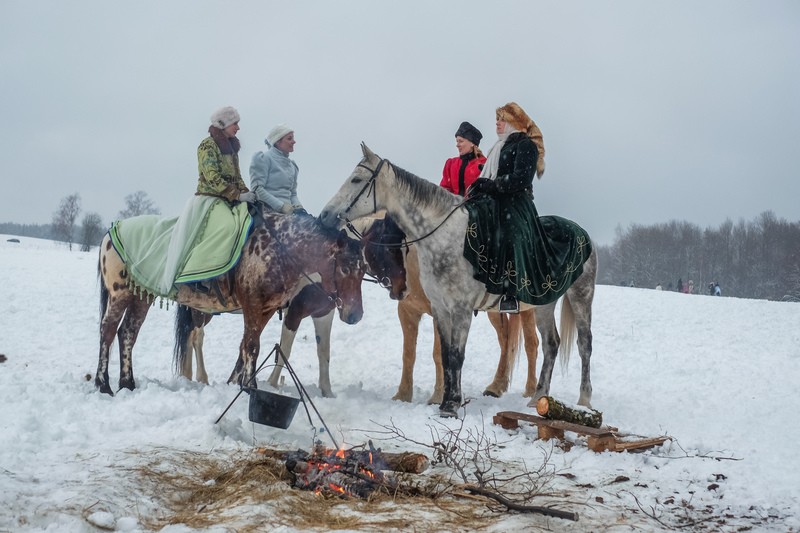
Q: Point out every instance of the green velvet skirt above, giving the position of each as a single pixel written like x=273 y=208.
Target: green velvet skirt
x=515 y=251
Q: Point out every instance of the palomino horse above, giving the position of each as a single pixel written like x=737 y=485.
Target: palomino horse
x=277 y=256
x=384 y=260
x=430 y=215
x=507 y=327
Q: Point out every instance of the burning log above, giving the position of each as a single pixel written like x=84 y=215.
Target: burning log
x=341 y=473
x=406 y=462
x=549 y=407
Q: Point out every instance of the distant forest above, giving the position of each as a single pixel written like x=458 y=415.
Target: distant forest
x=758 y=259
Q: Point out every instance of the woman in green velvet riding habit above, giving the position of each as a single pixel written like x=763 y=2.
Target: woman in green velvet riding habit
x=515 y=253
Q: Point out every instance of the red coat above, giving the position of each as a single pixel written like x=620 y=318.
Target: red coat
x=460 y=172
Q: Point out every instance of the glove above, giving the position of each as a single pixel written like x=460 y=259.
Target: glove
x=249 y=197
x=286 y=209
x=482 y=186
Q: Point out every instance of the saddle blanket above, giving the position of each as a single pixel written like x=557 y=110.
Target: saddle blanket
x=204 y=242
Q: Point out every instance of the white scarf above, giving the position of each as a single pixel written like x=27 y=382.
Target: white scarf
x=493 y=158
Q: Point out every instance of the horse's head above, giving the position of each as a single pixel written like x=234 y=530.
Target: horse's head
x=385 y=256
x=357 y=196
x=349 y=270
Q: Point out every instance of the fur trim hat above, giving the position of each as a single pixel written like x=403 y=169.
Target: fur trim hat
x=470 y=133
x=519 y=120
x=277 y=133
x=224 y=117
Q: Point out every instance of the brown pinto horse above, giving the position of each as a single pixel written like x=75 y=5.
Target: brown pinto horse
x=509 y=328
x=278 y=255
x=385 y=263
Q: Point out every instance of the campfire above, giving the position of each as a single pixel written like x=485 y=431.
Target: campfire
x=341 y=473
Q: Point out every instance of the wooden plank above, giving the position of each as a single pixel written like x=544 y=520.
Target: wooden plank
x=556 y=424
x=601 y=443
x=504 y=422
x=598 y=439
x=639 y=444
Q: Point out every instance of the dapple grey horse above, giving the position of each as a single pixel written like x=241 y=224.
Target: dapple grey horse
x=430 y=215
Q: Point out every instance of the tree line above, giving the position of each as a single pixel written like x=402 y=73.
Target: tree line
x=64 y=225
x=756 y=259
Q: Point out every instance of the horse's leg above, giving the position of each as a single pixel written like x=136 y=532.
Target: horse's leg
x=577 y=313
x=528 y=319
x=546 y=322
x=509 y=331
x=322 y=329
x=453 y=326
x=438 y=387
x=286 y=342
x=409 y=317
x=244 y=373
x=200 y=320
x=197 y=343
x=114 y=308
x=127 y=334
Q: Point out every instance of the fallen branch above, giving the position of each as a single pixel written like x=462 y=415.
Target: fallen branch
x=513 y=506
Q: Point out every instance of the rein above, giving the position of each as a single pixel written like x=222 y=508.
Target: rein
x=369 y=188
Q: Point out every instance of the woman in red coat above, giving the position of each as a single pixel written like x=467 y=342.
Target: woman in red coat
x=459 y=172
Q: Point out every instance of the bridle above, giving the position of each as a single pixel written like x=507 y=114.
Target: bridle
x=369 y=188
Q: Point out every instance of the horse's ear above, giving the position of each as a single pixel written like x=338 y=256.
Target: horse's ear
x=366 y=151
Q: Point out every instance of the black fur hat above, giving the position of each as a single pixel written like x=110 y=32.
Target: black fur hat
x=470 y=133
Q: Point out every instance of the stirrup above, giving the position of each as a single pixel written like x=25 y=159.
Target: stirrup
x=508 y=304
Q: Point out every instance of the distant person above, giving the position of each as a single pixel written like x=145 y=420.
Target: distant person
x=689 y=287
x=273 y=176
x=460 y=172
x=711 y=289
x=679 y=287
x=717 y=290
x=659 y=287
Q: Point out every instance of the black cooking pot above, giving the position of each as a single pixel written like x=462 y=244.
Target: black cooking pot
x=271 y=409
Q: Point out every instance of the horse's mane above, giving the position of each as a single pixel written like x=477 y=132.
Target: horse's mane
x=423 y=192
x=310 y=225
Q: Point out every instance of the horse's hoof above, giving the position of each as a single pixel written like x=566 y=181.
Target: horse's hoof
x=491 y=393
x=127 y=384
x=449 y=410
x=399 y=397
x=104 y=388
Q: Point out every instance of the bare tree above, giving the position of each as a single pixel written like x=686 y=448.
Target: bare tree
x=92 y=231
x=137 y=204
x=64 y=218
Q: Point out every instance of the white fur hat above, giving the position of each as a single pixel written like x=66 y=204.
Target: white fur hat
x=277 y=133
x=224 y=117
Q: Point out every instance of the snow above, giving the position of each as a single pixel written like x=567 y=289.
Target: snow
x=719 y=375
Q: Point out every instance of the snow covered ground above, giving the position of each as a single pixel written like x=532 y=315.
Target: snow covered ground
x=719 y=375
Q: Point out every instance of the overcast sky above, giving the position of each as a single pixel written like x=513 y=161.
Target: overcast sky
x=651 y=111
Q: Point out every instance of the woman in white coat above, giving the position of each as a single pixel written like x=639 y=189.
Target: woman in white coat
x=273 y=176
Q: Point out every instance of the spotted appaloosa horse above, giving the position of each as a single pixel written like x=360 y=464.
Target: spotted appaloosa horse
x=430 y=214
x=508 y=327
x=277 y=256
x=385 y=263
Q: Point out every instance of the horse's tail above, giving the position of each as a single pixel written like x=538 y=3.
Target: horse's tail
x=184 y=325
x=568 y=331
